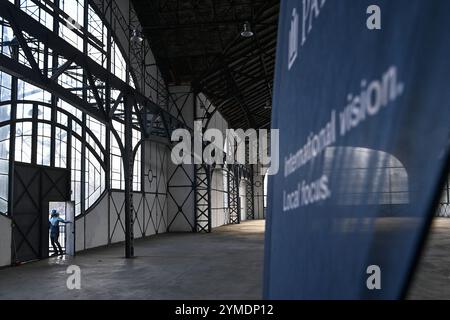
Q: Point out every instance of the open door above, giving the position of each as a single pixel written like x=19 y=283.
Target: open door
x=70 y=228
x=66 y=212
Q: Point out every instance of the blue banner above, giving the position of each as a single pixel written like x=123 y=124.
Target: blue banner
x=362 y=101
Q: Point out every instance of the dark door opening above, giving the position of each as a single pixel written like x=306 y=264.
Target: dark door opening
x=34 y=188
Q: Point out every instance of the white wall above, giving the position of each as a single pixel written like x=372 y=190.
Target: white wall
x=219 y=213
x=155 y=203
x=259 y=196
x=105 y=223
x=97 y=225
x=181 y=177
x=5 y=241
x=79 y=234
x=88 y=228
x=242 y=195
x=259 y=191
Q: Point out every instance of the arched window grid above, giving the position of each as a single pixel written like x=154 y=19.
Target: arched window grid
x=48 y=131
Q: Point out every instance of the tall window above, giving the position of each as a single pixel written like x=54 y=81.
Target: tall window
x=44 y=138
x=117 y=176
x=98 y=131
x=49 y=131
x=24 y=134
x=6 y=37
x=118 y=63
x=76 y=174
x=5 y=86
x=69 y=29
x=95 y=179
x=32 y=8
x=97 y=45
x=60 y=148
x=4 y=167
x=137 y=162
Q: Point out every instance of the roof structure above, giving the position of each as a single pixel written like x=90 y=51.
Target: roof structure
x=199 y=42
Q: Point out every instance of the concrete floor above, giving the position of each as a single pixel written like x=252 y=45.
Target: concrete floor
x=226 y=264
x=432 y=278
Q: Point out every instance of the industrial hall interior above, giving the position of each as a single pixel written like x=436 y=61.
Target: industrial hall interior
x=91 y=94
x=137 y=151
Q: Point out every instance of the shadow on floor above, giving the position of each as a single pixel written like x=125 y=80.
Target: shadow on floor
x=432 y=277
x=226 y=264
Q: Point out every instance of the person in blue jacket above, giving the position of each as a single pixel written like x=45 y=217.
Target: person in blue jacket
x=53 y=225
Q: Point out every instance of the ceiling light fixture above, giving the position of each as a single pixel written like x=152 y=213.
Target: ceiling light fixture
x=246 y=30
x=136 y=36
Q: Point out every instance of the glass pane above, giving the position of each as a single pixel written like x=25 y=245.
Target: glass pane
x=43 y=155
x=137 y=162
x=62 y=118
x=69 y=30
x=44 y=113
x=60 y=148
x=4 y=168
x=24 y=111
x=40 y=15
x=5 y=112
x=94 y=179
x=23 y=142
x=5 y=86
x=117 y=178
x=76 y=174
x=71 y=109
x=26 y=91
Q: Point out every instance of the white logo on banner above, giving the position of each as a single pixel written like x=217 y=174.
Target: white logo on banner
x=293 y=39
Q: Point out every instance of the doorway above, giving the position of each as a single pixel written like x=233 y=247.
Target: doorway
x=66 y=212
x=34 y=188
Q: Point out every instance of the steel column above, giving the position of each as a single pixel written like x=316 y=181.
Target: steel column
x=128 y=173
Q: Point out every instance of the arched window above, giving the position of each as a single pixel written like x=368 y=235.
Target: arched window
x=46 y=130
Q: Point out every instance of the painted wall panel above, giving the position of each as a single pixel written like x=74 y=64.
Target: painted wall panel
x=97 y=225
x=138 y=226
x=219 y=213
x=5 y=241
x=152 y=214
x=117 y=217
x=180 y=177
x=79 y=234
x=242 y=195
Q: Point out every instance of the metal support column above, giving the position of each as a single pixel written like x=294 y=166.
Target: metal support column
x=250 y=194
x=234 y=205
x=202 y=181
x=203 y=198
x=128 y=172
